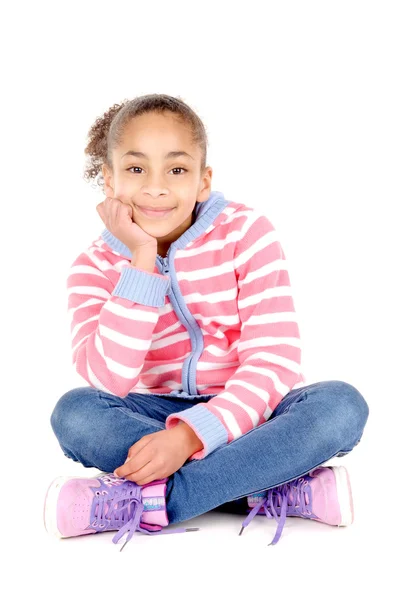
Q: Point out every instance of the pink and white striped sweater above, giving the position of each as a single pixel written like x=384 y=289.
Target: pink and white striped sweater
x=216 y=318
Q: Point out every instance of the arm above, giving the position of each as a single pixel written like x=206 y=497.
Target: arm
x=144 y=259
x=269 y=347
x=190 y=440
x=112 y=326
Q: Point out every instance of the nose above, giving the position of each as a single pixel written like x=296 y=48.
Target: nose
x=155 y=186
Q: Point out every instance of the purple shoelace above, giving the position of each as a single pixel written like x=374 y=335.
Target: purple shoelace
x=290 y=500
x=120 y=507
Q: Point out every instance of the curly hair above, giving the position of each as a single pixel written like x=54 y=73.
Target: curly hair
x=106 y=133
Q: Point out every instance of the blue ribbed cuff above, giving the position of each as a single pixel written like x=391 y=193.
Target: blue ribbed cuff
x=142 y=287
x=206 y=425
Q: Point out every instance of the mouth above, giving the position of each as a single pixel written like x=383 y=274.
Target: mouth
x=154 y=214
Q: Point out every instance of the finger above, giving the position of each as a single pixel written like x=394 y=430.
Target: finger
x=125 y=209
x=101 y=212
x=136 y=448
x=134 y=455
x=115 y=206
x=143 y=470
x=143 y=475
x=110 y=210
x=151 y=477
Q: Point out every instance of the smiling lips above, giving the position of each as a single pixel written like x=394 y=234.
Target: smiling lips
x=157 y=214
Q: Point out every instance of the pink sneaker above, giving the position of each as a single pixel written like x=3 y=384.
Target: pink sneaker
x=323 y=495
x=80 y=506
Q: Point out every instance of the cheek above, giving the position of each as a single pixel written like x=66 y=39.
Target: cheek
x=124 y=188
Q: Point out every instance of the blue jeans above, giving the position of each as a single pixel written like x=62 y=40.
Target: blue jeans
x=309 y=426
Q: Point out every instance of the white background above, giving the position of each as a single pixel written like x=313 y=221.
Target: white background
x=299 y=100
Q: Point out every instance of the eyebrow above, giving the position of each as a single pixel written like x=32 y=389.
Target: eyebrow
x=173 y=154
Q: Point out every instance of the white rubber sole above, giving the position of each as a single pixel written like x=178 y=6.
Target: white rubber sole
x=344 y=495
x=50 y=506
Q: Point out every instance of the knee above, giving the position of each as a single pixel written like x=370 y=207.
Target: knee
x=351 y=405
x=71 y=413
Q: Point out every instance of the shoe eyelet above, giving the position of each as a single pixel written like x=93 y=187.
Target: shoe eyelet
x=97 y=493
x=94 y=523
x=102 y=525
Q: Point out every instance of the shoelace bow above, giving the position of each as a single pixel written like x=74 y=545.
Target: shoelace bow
x=298 y=506
x=121 y=507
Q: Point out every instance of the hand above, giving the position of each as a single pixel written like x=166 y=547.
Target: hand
x=156 y=456
x=118 y=218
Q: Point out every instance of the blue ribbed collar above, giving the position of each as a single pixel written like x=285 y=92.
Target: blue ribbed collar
x=205 y=214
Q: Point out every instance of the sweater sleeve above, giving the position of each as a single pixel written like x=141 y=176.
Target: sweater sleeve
x=269 y=347
x=112 y=325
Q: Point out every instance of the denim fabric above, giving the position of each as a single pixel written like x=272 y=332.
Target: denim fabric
x=309 y=426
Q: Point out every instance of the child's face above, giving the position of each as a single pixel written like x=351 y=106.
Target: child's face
x=157 y=181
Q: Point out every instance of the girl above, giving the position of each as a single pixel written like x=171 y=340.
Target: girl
x=184 y=327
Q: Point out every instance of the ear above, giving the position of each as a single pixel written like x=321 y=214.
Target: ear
x=108 y=181
x=205 y=189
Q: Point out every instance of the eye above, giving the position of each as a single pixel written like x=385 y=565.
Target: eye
x=175 y=169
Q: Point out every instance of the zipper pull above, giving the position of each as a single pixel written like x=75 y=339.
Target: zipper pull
x=166 y=266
